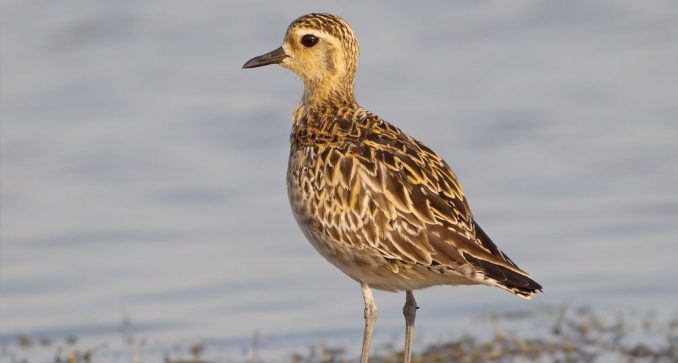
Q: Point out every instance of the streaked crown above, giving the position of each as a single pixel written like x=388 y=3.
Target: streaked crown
x=331 y=26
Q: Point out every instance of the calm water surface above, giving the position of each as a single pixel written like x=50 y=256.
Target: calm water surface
x=143 y=170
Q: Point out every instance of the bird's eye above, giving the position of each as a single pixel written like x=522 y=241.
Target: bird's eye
x=309 y=40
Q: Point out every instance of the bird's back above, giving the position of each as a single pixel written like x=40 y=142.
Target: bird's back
x=386 y=209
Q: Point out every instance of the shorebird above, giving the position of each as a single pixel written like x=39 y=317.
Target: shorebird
x=375 y=202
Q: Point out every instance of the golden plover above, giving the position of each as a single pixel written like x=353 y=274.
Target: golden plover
x=376 y=203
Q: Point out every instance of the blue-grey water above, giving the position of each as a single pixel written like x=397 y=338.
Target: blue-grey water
x=143 y=172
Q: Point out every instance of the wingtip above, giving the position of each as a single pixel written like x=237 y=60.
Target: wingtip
x=525 y=292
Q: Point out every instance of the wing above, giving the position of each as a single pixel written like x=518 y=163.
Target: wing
x=419 y=211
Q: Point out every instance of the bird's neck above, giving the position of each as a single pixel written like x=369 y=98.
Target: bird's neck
x=332 y=116
x=328 y=89
x=321 y=102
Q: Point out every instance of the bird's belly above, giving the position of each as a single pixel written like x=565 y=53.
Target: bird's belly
x=369 y=266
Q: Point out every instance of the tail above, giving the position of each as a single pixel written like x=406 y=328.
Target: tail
x=513 y=280
x=509 y=280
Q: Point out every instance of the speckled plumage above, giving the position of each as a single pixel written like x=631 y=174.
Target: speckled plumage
x=375 y=202
x=385 y=209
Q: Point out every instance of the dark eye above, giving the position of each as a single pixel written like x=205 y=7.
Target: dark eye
x=309 y=40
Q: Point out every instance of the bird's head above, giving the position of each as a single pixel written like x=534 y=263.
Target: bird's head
x=321 y=49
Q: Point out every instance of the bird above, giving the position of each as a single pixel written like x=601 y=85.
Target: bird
x=375 y=202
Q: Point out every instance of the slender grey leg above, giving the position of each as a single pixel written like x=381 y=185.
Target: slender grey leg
x=370 y=318
x=410 y=312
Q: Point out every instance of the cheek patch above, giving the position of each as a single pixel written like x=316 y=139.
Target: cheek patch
x=329 y=61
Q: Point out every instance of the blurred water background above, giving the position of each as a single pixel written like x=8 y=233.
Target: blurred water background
x=143 y=172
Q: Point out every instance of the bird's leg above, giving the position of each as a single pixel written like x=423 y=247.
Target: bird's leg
x=410 y=312
x=370 y=318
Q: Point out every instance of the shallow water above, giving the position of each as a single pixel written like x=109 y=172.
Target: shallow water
x=143 y=170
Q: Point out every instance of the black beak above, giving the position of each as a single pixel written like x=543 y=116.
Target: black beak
x=273 y=57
